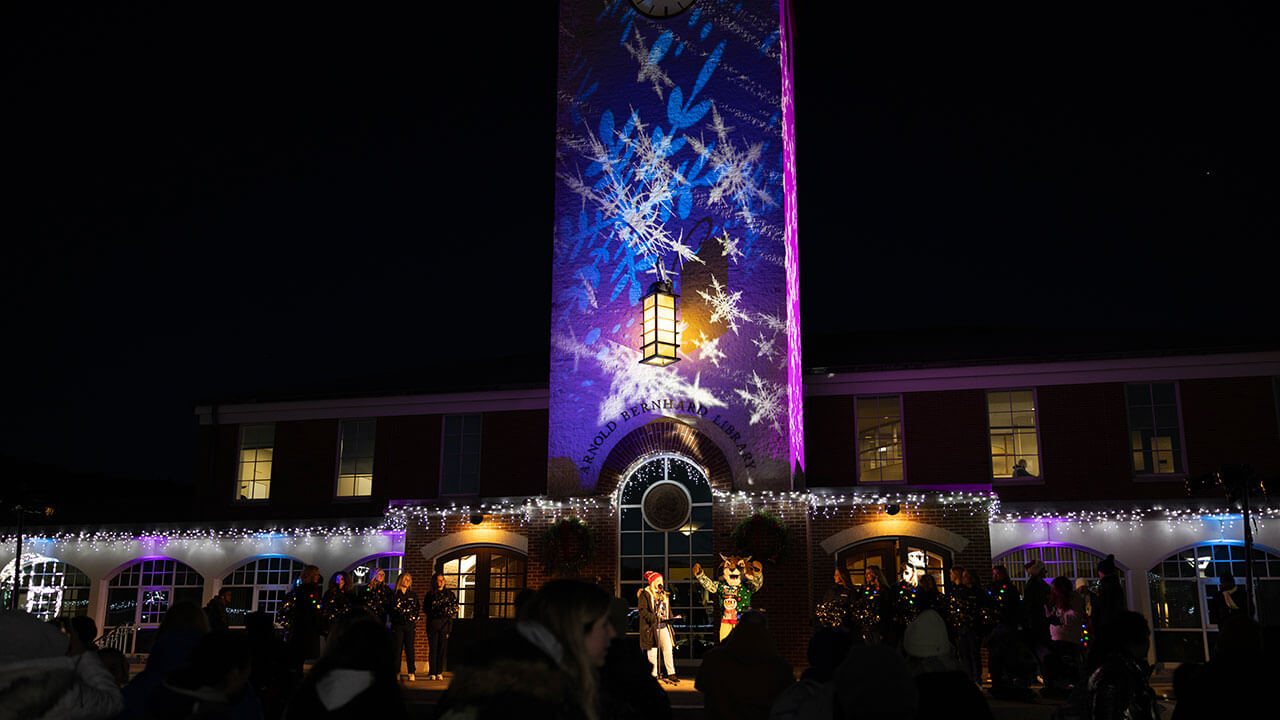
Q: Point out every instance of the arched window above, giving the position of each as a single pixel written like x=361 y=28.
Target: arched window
x=901 y=558
x=260 y=586
x=142 y=593
x=1067 y=561
x=1184 y=584
x=391 y=564
x=49 y=588
x=665 y=525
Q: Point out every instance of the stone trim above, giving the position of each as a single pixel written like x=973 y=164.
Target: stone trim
x=893 y=528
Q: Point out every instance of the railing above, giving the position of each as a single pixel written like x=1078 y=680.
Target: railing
x=121 y=637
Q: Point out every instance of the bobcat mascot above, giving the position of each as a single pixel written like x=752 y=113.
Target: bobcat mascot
x=733 y=596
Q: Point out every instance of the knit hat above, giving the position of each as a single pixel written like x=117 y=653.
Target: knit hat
x=1081 y=584
x=650 y=576
x=1108 y=565
x=926 y=636
x=1034 y=567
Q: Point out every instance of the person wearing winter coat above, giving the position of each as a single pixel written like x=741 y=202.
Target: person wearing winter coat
x=338 y=602
x=547 y=666
x=354 y=678
x=44 y=675
x=1065 y=613
x=441 y=606
x=216 y=611
x=1120 y=689
x=301 y=616
x=404 y=613
x=656 y=635
x=743 y=676
x=944 y=689
x=374 y=597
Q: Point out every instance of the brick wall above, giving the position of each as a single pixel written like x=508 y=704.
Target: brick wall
x=946 y=434
x=791 y=588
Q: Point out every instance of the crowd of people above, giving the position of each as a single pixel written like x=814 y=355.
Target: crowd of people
x=201 y=666
x=877 y=650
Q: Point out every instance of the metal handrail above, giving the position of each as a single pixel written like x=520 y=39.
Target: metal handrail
x=121 y=637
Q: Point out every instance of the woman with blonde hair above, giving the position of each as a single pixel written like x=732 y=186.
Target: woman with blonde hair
x=546 y=666
x=404 y=612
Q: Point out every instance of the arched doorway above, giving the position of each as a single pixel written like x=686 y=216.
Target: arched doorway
x=665 y=524
x=486 y=580
x=896 y=556
x=1183 y=585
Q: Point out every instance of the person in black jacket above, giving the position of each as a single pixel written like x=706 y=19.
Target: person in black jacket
x=301 y=619
x=404 y=622
x=375 y=597
x=338 y=602
x=354 y=678
x=1108 y=604
x=1009 y=675
x=441 y=607
x=216 y=611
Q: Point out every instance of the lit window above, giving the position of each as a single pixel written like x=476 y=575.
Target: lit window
x=880 y=445
x=257 y=445
x=1011 y=418
x=460 y=463
x=355 y=464
x=1155 y=440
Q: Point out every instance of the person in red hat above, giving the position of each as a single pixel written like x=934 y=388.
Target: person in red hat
x=655 y=625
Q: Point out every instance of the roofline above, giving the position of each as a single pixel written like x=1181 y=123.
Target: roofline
x=996 y=375
x=920 y=379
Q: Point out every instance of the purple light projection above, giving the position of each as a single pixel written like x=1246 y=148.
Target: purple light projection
x=675 y=149
x=795 y=370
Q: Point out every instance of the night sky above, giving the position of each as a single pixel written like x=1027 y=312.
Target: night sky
x=223 y=201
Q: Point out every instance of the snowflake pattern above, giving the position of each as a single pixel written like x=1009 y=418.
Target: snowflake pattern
x=661 y=129
x=765 y=346
x=729 y=247
x=725 y=307
x=649 y=58
x=708 y=349
x=765 y=400
x=632 y=382
x=736 y=171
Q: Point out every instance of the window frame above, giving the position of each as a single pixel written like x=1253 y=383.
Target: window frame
x=139 y=587
x=902 y=441
x=256 y=588
x=1037 y=479
x=444 y=420
x=235 y=493
x=337 y=477
x=1148 y=476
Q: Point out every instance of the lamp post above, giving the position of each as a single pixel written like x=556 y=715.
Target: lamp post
x=22 y=511
x=660 y=341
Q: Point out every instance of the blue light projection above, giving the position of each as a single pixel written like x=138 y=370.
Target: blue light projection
x=669 y=152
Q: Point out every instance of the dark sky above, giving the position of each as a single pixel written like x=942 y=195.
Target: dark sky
x=218 y=200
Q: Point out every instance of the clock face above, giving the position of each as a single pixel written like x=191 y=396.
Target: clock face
x=661 y=8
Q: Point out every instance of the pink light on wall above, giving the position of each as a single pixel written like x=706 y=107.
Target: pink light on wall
x=795 y=370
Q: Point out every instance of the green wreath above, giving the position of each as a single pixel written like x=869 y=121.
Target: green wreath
x=570 y=546
x=763 y=536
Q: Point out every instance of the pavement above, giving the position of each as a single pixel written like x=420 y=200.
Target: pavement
x=686 y=702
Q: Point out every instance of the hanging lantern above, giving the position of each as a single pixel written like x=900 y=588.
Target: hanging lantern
x=660 y=343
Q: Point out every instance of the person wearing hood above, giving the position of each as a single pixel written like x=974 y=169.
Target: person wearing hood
x=43 y=674
x=745 y=674
x=944 y=688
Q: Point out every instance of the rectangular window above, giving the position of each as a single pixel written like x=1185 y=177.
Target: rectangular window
x=1015 y=447
x=460 y=455
x=355 y=458
x=1155 y=439
x=880 y=444
x=257 y=445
